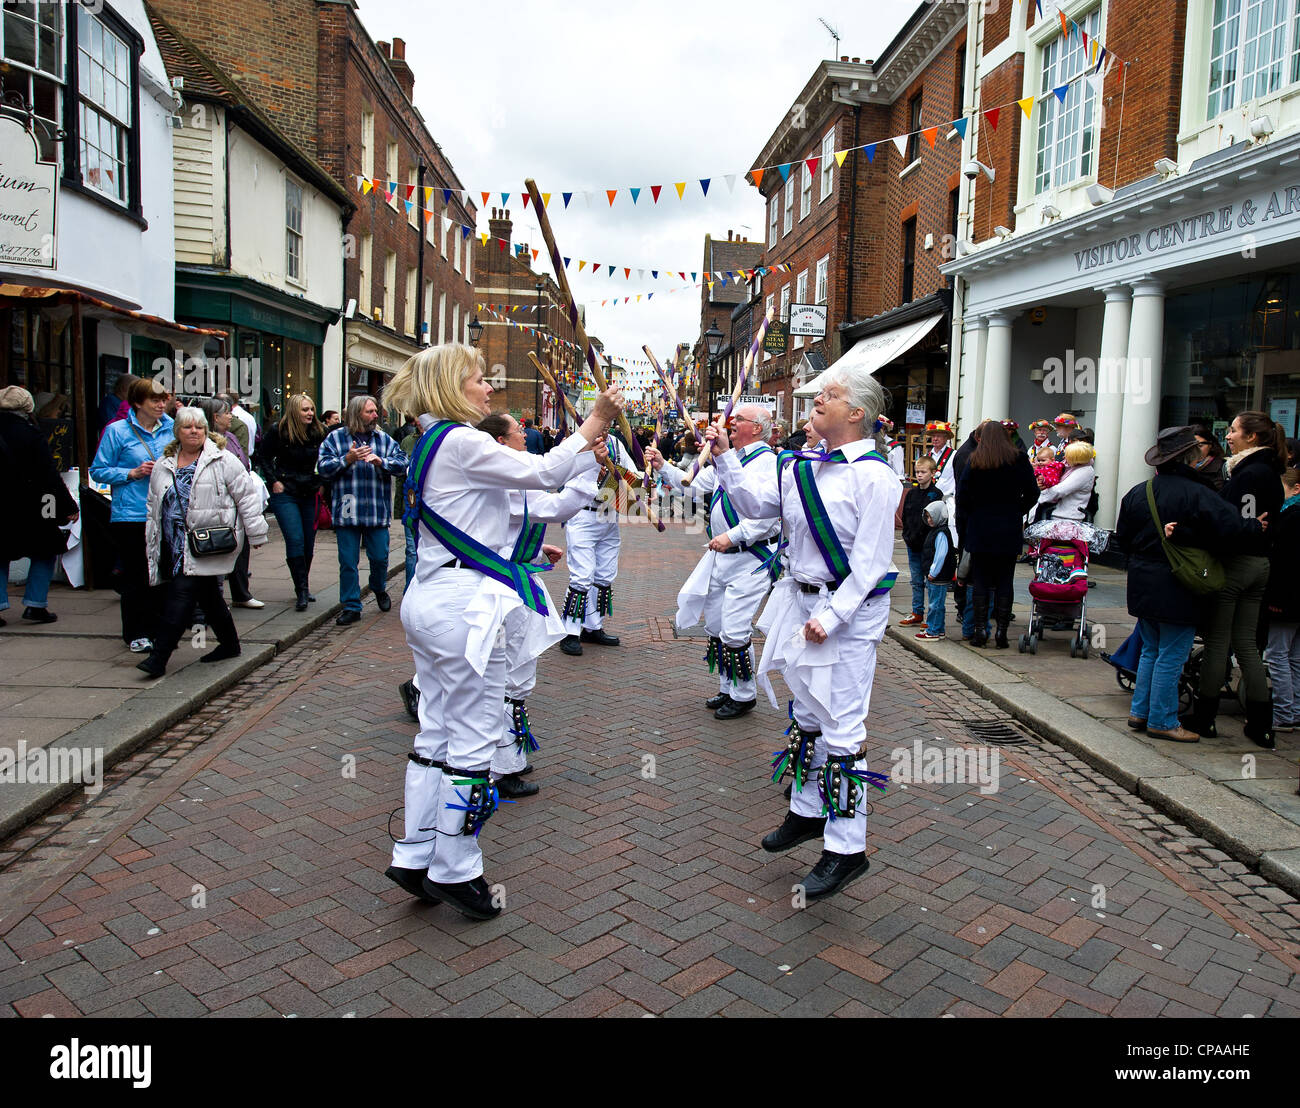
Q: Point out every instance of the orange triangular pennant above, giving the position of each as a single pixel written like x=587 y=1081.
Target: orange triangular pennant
x=930 y=134
x=611 y=193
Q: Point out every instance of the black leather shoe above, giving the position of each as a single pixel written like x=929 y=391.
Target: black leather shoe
x=221 y=653
x=412 y=880
x=716 y=702
x=832 y=873
x=525 y=771
x=153 y=666
x=411 y=699
x=600 y=638
x=384 y=601
x=514 y=787
x=572 y=645
x=795 y=830
x=39 y=615
x=734 y=709
x=348 y=616
x=472 y=898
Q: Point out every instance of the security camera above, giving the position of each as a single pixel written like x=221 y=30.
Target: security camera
x=970 y=171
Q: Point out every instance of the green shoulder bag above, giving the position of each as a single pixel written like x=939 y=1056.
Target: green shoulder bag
x=1195 y=569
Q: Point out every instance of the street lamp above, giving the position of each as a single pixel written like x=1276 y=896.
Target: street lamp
x=713 y=339
x=475 y=331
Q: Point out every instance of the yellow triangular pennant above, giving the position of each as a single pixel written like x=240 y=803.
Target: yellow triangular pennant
x=680 y=186
x=366 y=186
x=840 y=155
x=1027 y=105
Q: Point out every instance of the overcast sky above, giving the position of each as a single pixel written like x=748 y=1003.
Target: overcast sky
x=590 y=96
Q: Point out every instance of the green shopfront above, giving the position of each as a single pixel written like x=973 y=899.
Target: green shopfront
x=276 y=340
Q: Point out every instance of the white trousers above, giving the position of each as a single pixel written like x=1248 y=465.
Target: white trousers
x=460 y=724
x=521 y=679
x=592 y=540
x=735 y=594
x=848 y=696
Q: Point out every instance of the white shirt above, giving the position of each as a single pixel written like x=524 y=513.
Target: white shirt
x=468 y=485
x=896 y=460
x=246 y=418
x=945 y=480
x=1070 y=494
x=860 y=498
x=701 y=489
x=551 y=507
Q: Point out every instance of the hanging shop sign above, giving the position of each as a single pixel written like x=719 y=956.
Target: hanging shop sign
x=28 y=199
x=775 y=340
x=808 y=320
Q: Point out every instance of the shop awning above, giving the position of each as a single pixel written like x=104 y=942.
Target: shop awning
x=57 y=304
x=876 y=351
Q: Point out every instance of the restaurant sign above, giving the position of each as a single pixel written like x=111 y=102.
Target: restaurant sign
x=28 y=198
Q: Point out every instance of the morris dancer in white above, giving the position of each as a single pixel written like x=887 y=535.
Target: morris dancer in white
x=593 y=542
x=526 y=635
x=826 y=615
x=730 y=581
x=454 y=612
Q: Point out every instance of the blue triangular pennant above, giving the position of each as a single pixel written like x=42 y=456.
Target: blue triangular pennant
x=959 y=125
x=1061 y=92
x=704 y=184
x=870 y=151
x=635 y=193
x=567 y=197
x=785 y=170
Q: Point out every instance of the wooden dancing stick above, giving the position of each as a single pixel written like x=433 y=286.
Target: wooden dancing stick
x=546 y=376
x=743 y=380
x=580 y=333
x=671 y=392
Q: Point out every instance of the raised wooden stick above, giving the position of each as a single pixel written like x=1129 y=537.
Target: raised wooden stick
x=546 y=376
x=671 y=392
x=580 y=333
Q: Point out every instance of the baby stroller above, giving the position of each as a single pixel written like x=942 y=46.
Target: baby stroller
x=1129 y=652
x=1059 y=590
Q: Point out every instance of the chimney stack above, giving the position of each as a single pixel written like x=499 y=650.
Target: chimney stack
x=403 y=72
x=385 y=50
x=499 y=226
x=729 y=236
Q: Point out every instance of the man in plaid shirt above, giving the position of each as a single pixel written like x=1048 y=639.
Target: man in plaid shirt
x=360 y=458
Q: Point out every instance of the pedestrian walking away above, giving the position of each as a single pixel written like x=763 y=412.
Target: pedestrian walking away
x=827 y=614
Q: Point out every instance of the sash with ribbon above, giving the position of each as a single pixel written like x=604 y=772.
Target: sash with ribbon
x=468 y=550
x=819 y=520
x=531 y=537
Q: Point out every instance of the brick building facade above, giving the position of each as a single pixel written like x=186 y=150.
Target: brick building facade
x=347 y=101
x=725 y=289
x=1142 y=226
x=866 y=236
x=505 y=279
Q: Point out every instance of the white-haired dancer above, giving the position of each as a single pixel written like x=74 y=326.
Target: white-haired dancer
x=827 y=614
x=730 y=581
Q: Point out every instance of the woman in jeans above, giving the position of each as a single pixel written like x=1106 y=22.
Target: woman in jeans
x=125 y=459
x=287 y=459
x=37 y=504
x=1192 y=514
x=994 y=492
x=196 y=484
x=1253 y=490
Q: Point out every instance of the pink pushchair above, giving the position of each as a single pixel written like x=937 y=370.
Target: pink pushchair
x=1059 y=594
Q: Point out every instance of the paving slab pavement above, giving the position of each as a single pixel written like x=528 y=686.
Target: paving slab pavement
x=1237 y=795
x=73 y=684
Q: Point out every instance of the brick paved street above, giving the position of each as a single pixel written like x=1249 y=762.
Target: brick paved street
x=233 y=866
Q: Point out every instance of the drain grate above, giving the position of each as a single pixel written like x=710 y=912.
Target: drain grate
x=997 y=733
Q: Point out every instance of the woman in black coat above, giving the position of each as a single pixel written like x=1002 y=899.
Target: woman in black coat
x=1253 y=489
x=36 y=505
x=1193 y=514
x=994 y=492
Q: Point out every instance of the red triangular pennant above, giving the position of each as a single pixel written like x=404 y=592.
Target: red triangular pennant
x=992 y=116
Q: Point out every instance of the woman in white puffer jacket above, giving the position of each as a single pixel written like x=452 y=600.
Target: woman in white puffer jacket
x=1069 y=497
x=197 y=484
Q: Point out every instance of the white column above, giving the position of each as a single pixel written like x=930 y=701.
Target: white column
x=1110 y=400
x=995 y=395
x=974 y=332
x=1142 y=382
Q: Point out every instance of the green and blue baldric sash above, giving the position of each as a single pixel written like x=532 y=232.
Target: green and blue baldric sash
x=465 y=548
x=529 y=543
x=819 y=520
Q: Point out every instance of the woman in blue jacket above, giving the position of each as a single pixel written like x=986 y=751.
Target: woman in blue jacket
x=124 y=460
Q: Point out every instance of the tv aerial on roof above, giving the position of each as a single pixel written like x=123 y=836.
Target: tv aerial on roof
x=834 y=34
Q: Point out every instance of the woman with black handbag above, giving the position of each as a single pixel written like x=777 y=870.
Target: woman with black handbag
x=202 y=507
